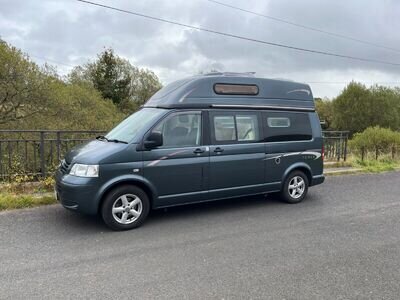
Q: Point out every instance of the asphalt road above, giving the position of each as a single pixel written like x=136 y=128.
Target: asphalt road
x=342 y=242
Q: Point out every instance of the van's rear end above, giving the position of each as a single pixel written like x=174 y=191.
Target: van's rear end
x=317 y=165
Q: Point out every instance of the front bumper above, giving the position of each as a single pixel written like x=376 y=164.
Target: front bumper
x=76 y=193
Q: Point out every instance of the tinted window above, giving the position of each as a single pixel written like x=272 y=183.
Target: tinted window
x=235 y=89
x=278 y=122
x=286 y=126
x=181 y=130
x=235 y=127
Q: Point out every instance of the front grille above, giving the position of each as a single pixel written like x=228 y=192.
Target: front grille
x=64 y=167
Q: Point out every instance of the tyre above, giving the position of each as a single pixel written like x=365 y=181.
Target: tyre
x=125 y=207
x=295 y=187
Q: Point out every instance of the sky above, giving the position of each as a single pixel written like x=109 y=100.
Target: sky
x=66 y=33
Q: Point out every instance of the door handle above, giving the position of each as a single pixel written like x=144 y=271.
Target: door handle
x=218 y=150
x=198 y=151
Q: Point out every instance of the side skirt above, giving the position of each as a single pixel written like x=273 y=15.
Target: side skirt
x=268 y=188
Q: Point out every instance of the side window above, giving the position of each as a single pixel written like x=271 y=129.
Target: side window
x=235 y=127
x=286 y=126
x=181 y=130
x=247 y=127
x=278 y=122
x=224 y=128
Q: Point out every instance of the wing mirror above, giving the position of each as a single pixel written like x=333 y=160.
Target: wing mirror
x=153 y=140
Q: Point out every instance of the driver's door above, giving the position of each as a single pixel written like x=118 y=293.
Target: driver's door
x=176 y=168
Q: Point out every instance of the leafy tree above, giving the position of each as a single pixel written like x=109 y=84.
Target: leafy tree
x=387 y=104
x=353 y=108
x=118 y=80
x=24 y=87
x=36 y=98
x=72 y=106
x=324 y=108
x=108 y=75
x=358 y=107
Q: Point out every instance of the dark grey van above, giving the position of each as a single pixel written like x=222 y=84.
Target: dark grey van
x=203 y=138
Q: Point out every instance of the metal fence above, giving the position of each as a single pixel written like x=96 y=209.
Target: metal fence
x=36 y=153
x=335 y=145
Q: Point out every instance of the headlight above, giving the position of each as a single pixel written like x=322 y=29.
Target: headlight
x=84 y=170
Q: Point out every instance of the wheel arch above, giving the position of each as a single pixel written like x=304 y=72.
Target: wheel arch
x=303 y=167
x=145 y=185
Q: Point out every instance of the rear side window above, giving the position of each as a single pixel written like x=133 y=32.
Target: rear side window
x=278 y=122
x=235 y=127
x=286 y=126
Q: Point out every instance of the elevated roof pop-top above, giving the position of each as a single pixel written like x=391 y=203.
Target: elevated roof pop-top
x=233 y=90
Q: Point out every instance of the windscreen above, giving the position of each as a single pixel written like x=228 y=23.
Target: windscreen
x=127 y=130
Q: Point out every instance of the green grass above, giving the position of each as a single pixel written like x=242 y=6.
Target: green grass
x=337 y=164
x=377 y=166
x=14 y=201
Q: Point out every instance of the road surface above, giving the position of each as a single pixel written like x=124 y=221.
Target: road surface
x=342 y=242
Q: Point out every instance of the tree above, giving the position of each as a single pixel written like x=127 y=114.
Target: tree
x=108 y=75
x=324 y=108
x=24 y=87
x=358 y=107
x=353 y=108
x=118 y=80
x=387 y=107
x=37 y=98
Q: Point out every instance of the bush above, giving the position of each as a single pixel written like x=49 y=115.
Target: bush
x=375 y=140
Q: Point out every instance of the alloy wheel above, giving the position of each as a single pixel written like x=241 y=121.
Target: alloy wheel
x=296 y=187
x=127 y=209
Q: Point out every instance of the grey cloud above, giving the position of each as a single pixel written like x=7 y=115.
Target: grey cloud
x=72 y=32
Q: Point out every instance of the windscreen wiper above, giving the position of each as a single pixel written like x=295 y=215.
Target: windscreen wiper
x=116 y=141
x=102 y=138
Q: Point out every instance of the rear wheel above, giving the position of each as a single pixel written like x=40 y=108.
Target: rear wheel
x=125 y=207
x=295 y=187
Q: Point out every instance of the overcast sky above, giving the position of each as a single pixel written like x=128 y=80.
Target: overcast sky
x=70 y=32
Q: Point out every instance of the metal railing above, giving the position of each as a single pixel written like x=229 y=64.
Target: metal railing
x=36 y=153
x=335 y=144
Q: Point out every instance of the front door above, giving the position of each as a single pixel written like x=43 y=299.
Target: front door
x=236 y=154
x=176 y=168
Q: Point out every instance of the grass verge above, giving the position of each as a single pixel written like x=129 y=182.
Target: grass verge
x=377 y=166
x=337 y=164
x=14 y=201
x=369 y=165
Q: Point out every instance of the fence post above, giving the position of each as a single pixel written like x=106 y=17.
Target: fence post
x=58 y=145
x=42 y=156
x=339 y=147
x=345 y=146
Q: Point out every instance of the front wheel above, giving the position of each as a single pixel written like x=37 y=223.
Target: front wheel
x=295 y=187
x=125 y=207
